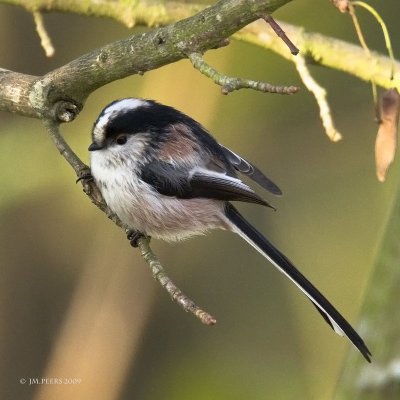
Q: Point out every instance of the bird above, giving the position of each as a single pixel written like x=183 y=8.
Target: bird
x=165 y=176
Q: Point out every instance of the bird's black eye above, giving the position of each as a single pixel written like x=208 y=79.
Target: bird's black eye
x=121 y=140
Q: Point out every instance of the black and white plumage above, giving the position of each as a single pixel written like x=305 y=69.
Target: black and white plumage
x=165 y=176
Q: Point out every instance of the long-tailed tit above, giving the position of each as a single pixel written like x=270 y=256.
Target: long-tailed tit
x=165 y=176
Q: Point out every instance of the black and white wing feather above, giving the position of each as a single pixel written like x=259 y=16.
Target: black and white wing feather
x=245 y=167
x=170 y=180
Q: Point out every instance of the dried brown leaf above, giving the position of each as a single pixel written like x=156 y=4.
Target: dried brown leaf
x=386 y=139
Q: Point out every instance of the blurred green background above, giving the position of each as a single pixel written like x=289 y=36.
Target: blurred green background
x=76 y=302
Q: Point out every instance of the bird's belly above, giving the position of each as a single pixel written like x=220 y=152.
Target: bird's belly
x=141 y=208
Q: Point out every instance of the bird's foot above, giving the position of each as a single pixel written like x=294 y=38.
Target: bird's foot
x=133 y=237
x=85 y=175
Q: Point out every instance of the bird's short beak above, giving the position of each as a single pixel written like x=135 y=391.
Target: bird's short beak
x=94 y=146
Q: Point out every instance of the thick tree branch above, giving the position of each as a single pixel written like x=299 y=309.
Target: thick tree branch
x=326 y=51
x=15 y=92
x=74 y=81
x=151 y=50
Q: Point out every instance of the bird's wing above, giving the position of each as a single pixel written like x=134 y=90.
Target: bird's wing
x=172 y=180
x=245 y=167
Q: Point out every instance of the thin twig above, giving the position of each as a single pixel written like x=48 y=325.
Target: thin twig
x=45 y=40
x=358 y=29
x=364 y=45
x=80 y=168
x=63 y=147
x=378 y=118
x=165 y=281
x=229 y=84
x=281 y=33
x=352 y=12
x=151 y=259
x=385 y=31
x=320 y=96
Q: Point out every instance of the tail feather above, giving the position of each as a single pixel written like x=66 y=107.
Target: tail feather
x=283 y=264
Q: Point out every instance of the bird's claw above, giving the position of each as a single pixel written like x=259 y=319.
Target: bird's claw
x=133 y=237
x=85 y=176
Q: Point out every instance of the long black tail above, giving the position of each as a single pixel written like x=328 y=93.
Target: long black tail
x=326 y=309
